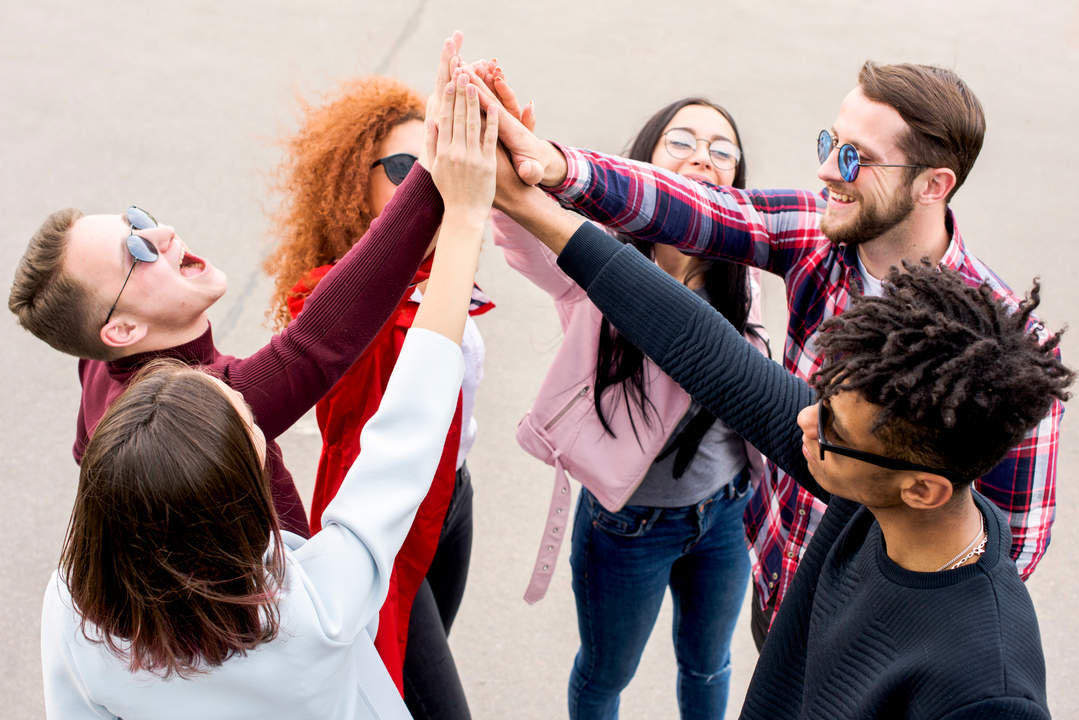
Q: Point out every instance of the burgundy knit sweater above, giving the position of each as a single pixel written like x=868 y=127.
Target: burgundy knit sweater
x=285 y=378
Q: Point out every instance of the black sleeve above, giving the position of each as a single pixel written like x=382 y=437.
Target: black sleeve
x=694 y=344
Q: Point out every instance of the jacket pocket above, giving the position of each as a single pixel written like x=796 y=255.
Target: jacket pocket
x=564 y=410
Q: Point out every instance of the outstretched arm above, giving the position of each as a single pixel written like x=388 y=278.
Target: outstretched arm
x=685 y=336
x=365 y=524
x=284 y=379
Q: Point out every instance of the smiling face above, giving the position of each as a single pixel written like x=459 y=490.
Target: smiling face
x=167 y=297
x=705 y=123
x=404 y=138
x=881 y=198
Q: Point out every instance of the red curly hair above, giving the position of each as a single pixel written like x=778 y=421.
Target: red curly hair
x=324 y=179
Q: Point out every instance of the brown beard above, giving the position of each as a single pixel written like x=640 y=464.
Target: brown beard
x=871 y=222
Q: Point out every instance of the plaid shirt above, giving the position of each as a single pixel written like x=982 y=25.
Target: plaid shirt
x=779 y=231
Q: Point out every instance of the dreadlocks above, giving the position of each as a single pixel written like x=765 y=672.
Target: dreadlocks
x=960 y=377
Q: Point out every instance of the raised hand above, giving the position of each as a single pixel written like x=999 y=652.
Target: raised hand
x=535 y=160
x=462 y=154
x=462 y=151
x=448 y=62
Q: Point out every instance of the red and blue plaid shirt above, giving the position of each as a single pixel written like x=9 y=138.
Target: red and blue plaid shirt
x=779 y=231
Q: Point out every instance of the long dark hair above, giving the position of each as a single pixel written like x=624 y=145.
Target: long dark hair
x=165 y=553
x=620 y=362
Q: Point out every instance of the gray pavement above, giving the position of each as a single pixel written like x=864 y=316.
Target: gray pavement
x=179 y=107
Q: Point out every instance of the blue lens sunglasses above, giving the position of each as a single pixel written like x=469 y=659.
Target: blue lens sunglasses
x=848 y=160
x=141 y=249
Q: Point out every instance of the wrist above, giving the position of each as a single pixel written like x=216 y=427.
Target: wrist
x=554 y=167
x=466 y=218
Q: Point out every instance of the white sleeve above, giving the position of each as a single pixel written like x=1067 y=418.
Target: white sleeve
x=66 y=696
x=346 y=566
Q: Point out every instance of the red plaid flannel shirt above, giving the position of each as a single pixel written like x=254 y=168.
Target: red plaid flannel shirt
x=779 y=231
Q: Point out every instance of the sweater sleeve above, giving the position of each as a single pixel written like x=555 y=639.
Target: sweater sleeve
x=696 y=346
x=298 y=366
x=1000 y=708
x=347 y=564
x=771 y=229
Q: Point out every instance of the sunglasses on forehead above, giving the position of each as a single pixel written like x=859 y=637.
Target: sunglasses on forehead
x=824 y=419
x=140 y=249
x=396 y=166
x=849 y=161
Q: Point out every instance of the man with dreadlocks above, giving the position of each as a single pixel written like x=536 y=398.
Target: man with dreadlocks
x=907 y=602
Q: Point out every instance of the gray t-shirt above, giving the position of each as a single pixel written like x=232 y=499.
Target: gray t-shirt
x=720 y=457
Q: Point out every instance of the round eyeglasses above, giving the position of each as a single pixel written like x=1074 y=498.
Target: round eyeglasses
x=140 y=249
x=682 y=144
x=849 y=162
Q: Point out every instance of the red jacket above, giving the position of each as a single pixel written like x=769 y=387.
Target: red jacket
x=342 y=414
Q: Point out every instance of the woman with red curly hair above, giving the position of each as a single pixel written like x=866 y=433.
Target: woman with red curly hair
x=343 y=167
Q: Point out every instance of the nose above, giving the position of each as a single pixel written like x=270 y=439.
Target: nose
x=807 y=421
x=161 y=236
x=828 y=172
x=700 y=155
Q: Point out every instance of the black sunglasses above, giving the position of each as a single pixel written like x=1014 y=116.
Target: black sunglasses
x=849 y=161
x=824 y=417
x=141 y=249
x=396 y=166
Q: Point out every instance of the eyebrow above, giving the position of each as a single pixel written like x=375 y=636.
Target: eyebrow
x=693 y=132
x=862 y=150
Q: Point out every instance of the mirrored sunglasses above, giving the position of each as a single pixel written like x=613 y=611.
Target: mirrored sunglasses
x=140 y=249
x=849 y=161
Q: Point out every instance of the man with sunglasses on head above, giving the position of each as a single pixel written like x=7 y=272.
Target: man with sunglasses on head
x=117 y=291
x=902 y=144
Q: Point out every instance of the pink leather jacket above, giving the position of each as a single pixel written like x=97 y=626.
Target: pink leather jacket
x=563 y=429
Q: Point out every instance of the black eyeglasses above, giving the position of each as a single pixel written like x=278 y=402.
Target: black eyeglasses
x=396 y=166
x=141 y=249
x=681 y=143
x=824 y=417
x=848 y=160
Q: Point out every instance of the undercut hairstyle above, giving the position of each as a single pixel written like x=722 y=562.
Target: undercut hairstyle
x=945 y=121
x=50 y=303
x=173 y=554
x=960 y=376
x=325 y=176
x=620 y=362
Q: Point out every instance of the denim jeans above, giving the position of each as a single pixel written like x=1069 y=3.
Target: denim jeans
x=623 y=562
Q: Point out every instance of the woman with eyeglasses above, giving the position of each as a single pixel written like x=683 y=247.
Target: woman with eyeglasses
x=343 y=167
x=665 y=483
x=179 y=596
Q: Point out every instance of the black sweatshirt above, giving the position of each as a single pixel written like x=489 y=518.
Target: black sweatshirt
x=857 y=636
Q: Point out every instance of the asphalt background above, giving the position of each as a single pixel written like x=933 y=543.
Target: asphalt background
x=180 y=107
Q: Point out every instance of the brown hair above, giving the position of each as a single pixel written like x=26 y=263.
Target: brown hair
x=50 y=303
x=945 y=121
x=166 y=549
x=325 y=177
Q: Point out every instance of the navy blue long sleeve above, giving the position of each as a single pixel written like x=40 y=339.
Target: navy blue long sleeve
x=857 y=636
x=695 y=345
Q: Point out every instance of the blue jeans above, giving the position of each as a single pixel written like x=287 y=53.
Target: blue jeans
x=623 y=562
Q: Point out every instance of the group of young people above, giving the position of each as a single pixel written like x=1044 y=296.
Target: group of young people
x=910 y=433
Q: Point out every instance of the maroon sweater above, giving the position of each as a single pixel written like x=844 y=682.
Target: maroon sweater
x=294 y=370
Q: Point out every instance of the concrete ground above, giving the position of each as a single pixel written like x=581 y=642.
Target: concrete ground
x=179 y=107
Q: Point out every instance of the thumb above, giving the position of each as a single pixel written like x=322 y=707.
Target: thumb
x=530 y=171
